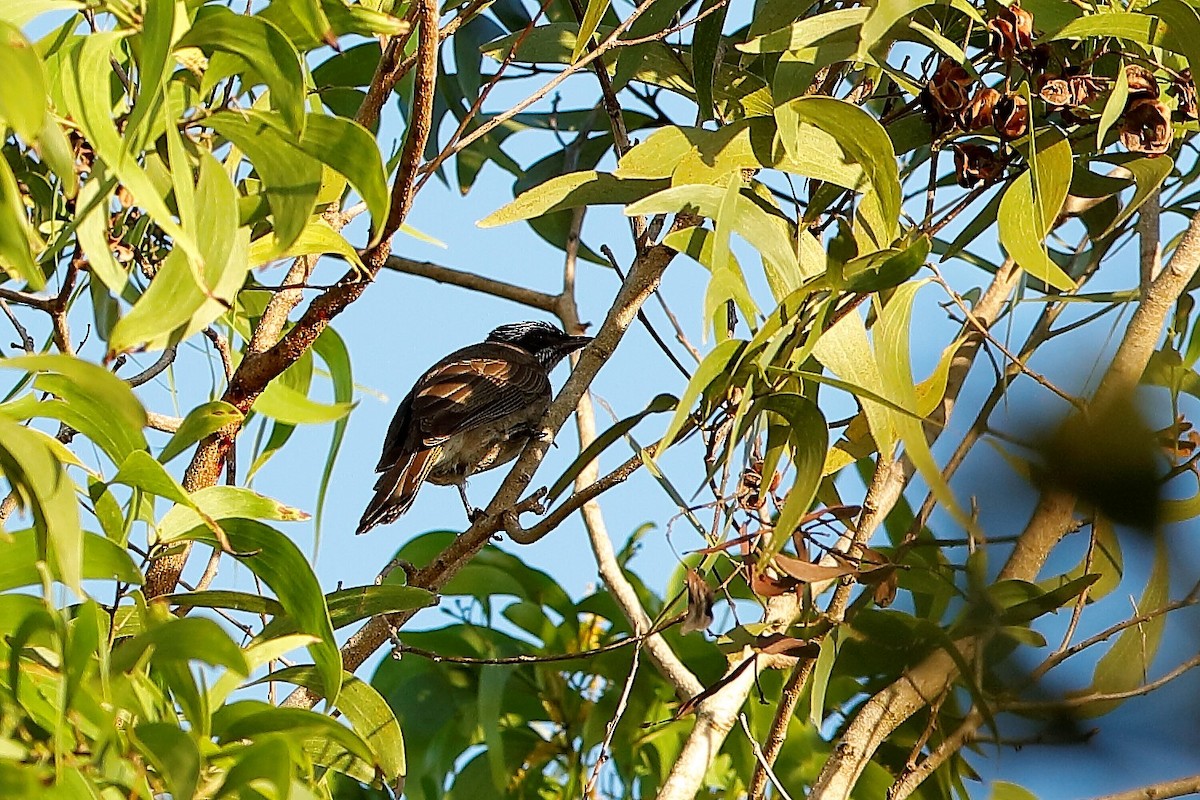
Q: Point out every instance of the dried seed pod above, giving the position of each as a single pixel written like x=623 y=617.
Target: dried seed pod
x=1056 y=92
x=948 y=87
x=1011 y=32
x=975 y=165
x=1184 y=90
x=1141 y=81
x=1147 y=127
x=1011 y=116
x=978 y=113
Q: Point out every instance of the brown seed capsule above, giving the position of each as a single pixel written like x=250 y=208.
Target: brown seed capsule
x=948 y=87
x=1011 y=116
x=1057 y=92
x=1084 y=88
x=978 y=113
x=1011 y=32
x=1184 y=90
x=1147 y=127
x=975 y=165
x=1141 y=81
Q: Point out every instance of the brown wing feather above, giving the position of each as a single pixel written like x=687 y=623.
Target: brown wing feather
x=486 y=385
x=397 y=488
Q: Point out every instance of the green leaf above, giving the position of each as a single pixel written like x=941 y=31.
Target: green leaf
x=101 y=560
x=883 y=15
x=250 y=719
x=140 y=470
x=41 y=484
x=15 y=242
x=587 y=28
x=892 y=337
x=200 y=422
x=860 y=137
x=886 y=268
x=1121 y=24
x=1182 y=24
x=264 y=51
x=317 y=238
x=1114 y=105
x=181 y=302
x=336 y=355
x=181 y=640
x=350 y=150
x=820 y=680
x=173 y=753
x=1028 y=210
x=767 y=234
x=87 y=95
x=808 y=436
x=367 y=712
x=806 y=31
x=291 y=177
x=223 y=502
x=23 y=102
x=280 y=564
x=706 y=45
x=663 y=402
x=570 y=191
x=236 y=601
x=1149 y=174
x=1124 y=667
x=711 y=368
x=285 y=404
x=20 y=12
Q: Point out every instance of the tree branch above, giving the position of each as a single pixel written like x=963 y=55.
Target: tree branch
x=884 y=712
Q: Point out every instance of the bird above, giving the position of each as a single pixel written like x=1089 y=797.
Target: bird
x=472 y=411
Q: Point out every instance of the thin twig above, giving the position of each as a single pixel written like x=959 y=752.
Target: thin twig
x=611 y=727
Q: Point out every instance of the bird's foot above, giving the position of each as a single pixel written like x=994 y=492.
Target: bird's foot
x=475 y=514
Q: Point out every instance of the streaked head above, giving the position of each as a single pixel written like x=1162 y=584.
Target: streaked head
x=543 y=341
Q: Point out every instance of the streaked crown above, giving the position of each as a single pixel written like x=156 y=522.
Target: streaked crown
x=545 y=342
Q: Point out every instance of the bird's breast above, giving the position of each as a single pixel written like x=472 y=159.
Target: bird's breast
x=486 y=446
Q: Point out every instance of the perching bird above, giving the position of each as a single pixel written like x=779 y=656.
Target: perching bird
x=472 y=411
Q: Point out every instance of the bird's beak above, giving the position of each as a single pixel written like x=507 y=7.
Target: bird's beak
x=574 y=343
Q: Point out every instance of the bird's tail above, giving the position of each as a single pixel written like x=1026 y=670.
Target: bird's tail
x=397 y=488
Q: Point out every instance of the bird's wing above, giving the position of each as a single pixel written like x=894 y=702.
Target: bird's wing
x=475 y=386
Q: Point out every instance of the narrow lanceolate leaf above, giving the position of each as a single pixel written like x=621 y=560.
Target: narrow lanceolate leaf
x=893 y=337
x=317 y=238
x=200 y=422
x=223 y=502
x=806 y=31
x=285 y=404
x=747 y=219
x=263 y=48
x=275 y=559
x=86 y=92
x=587 y=28
x=711 y=368
x=1148 y=175
x=1114 y=105
x=706 y=44
x=181 y=302
x=571 y=191
x=23 y=101
x=101 y=560
x=861 y=138
x=42 y=485
x=15 y=235
x=1126 y=664
x=350 y=150
x=1028 y=210
x=663 y=402
x=173 y=753
x=291 y=177
x=808 y=437
x=366 y=711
